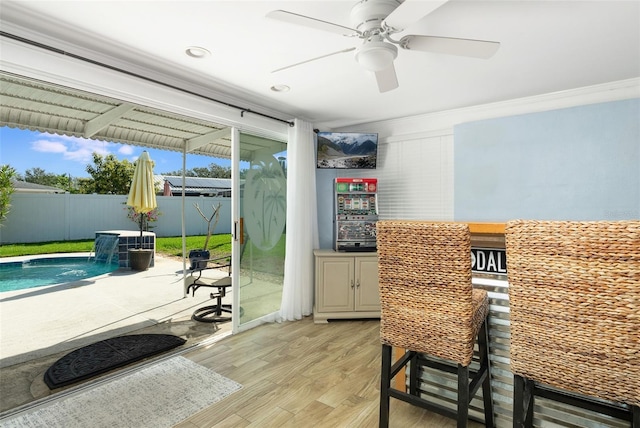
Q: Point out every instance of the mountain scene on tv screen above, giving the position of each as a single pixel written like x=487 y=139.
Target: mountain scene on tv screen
x=347 y=150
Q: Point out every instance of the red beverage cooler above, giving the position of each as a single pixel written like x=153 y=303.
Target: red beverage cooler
x=356 y=213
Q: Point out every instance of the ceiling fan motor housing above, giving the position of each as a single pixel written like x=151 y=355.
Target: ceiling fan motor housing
x=367 y=15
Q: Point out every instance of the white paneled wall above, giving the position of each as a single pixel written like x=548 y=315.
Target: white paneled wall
x=41 y=217
x=416 y=178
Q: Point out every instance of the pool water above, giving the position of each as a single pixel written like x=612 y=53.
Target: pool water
x=48 y=271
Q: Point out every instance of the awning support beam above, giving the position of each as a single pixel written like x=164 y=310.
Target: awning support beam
x=202 y=140
x=99 y=123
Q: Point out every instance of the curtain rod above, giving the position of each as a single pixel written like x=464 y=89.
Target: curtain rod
x=243 y=110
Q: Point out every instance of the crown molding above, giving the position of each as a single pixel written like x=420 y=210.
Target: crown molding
x=442 y=123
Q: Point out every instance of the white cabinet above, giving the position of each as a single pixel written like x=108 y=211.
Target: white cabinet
x=346 y=285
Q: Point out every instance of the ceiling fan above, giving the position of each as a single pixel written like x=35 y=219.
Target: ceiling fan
x=374 y=22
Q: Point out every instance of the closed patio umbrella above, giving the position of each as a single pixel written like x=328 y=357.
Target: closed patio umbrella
x=142 y=195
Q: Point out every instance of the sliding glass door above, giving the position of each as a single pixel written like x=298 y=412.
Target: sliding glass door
x=260 y=227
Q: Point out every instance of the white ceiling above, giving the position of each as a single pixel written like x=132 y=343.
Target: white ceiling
x=546 y=46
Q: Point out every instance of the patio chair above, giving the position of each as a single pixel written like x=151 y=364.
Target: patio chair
x=430 y=310
x=198 y=278
x=574 y=292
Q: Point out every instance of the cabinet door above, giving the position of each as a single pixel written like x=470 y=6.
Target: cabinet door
x=367 y=293
x=335 y=288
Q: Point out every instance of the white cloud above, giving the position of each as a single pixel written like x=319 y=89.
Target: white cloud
x=126 y=150
x=72 y=148
x=47 y=146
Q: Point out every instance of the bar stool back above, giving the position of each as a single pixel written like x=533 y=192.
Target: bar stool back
x=574 y=296
x=429 y=308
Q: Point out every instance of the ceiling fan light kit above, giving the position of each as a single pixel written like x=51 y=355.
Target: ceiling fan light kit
x=374 y=21
x=376 y=55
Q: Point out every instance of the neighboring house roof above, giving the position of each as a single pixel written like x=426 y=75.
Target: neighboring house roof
x=196 y=185
x=26 y=187
x=200 y=182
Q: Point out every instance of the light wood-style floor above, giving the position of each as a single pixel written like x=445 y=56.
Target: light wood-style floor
x=299 y=374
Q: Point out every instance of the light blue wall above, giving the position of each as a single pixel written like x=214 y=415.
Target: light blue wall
x=324 y=189
x=580 y=163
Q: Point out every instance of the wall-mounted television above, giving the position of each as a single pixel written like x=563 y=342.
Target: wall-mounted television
x=347 y=150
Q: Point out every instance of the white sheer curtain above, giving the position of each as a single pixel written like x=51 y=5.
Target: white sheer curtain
x=302 y=224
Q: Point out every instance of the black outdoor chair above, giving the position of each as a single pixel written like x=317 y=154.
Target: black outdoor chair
x=198 y=278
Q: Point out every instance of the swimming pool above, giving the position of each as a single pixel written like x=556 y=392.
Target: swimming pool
x=51 y=270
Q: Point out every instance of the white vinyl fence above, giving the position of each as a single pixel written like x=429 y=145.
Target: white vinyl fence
x=41 y=217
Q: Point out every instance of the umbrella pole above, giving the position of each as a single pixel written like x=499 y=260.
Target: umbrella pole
x=141 y=220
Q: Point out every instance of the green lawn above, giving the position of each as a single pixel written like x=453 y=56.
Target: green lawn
x=219 y=245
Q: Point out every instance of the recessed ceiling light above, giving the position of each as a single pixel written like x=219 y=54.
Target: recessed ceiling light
x=280 y=88
x=197 y=52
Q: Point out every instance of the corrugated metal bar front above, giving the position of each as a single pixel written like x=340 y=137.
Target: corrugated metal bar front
x=435 y=385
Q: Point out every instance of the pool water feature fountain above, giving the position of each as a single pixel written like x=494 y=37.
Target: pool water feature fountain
x=128 y=240
x=104 y=248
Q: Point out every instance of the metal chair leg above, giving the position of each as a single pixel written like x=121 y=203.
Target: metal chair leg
x=463 y=396
x=523 y=401
x=413 y=375
x=485 y=365
x=518 y=402
x=385 y=384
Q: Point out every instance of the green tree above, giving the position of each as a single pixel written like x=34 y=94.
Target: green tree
x=212 y=171
x=84 y=185
x=40 y=176
x=7 y=173
x=108 y=176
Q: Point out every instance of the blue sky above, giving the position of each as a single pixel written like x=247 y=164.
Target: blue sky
x=61 y=154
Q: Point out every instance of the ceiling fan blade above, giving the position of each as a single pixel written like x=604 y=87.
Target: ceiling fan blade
x=313 y=59
x=452 y=46
x=306 y=21
x=387 y=79
x=411 y=11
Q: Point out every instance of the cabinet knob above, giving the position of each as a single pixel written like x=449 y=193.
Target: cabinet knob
x=357 y=284
x=352 y=283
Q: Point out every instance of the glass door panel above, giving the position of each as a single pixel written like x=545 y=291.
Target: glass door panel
x=262 y=228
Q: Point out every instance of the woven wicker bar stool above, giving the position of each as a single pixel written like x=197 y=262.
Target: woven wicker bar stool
x=574 y=295
x=429 y=309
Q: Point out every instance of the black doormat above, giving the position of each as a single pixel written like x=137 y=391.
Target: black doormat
x=100 y=357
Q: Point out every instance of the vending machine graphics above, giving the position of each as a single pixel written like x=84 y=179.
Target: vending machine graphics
x=356 y=214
